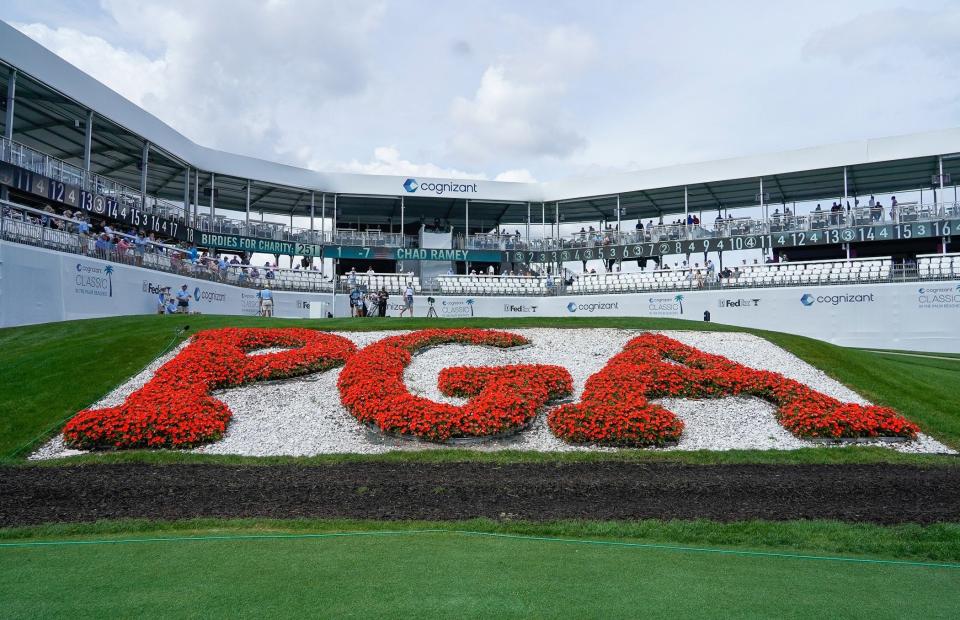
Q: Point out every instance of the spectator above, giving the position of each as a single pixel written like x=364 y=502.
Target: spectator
x=266 y=301
x=352 y=277
x=102 y=246
x=407 y=300
x=183 y=300
x=355 y=296
x=139 y=247
x=382 y=298
x=163 y=299
x=171 y=307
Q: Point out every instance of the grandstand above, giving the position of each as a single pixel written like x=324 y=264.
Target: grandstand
x=77 y=162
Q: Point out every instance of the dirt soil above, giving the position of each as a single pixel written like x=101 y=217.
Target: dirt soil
x=538 y=492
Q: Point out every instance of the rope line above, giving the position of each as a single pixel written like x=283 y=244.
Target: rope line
x=472 y=533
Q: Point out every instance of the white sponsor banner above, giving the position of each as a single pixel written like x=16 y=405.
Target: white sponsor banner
x=39 y=285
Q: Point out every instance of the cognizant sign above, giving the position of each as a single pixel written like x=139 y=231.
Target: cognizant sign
x=412 y=186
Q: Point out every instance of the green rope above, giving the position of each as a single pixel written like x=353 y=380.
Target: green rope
x=550 y=539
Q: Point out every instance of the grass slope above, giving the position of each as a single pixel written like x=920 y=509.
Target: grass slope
x=451 y=575
x=51 y=371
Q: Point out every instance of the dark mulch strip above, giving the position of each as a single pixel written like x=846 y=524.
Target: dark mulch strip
x=869 y=493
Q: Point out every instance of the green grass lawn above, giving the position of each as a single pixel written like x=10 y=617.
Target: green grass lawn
x=51 y=371
x=447 y=574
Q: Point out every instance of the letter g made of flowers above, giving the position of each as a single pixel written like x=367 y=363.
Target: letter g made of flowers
x=616 y=408
x=175 y=408
x=503 y=399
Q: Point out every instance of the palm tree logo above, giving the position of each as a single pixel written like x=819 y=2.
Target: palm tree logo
x=109 y=271
x=679 y=300
x=470 y=305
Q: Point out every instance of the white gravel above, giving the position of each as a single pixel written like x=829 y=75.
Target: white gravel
x=304 y=416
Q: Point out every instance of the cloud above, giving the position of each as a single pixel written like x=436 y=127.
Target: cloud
x=517 y=107
x=242 y=76
x=518 y=175
x=132 y=74
x=891 y=32
x=387 y=160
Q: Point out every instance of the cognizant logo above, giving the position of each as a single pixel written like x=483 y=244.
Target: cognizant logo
x=573 y=307
x=411 y=185
x=835 y=300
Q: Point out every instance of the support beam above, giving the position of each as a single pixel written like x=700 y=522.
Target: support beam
x=213 y=193
x=543 y=221
x=466 y=225
x=144 y=169
x=403 y=215
x=186 y=195
x=323 y=217
x=528 y=224
x=312 y=205
x=88 y=141
x=618 y=215
x=11 y=102
x=846 y=196
x=247 y=207
x=196 y=195
x=763 y=210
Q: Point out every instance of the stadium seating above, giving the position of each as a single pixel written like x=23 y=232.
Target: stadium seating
x=393 y=282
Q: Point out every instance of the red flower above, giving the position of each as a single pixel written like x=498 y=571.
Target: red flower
x=175 y=409
x=504 y=399
x=615 y=408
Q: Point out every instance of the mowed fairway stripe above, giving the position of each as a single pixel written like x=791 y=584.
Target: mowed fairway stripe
x=524 y=537
x=452 y=575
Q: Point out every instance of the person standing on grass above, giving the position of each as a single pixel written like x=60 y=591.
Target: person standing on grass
x=183 y=300
x=407 y=300
x=266 y=301
x=382 y=298
x=355 y=302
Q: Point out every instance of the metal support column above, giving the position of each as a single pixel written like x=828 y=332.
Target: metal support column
x=186 y=195
x=11 y=100
x=8 y=118
x=247 y=209
x=323 y=217
x=846 y=194
x=940 y=159
x=403 y=214
x=312 y=205
x=333 y=223
x=556 y=219
x=686 y=205
x=196 y=196
x=466 y=225
x=618 y=213
x=88 y=141
x=528 y=224
x=543 y=222
x=144 y=165
x=213 y=192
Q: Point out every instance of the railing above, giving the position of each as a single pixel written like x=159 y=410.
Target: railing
x=39 y=228
x=34 y=227
x=41 y=163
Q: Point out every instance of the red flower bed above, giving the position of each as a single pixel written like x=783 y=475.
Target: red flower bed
x=615 y=408
x=503 y=399
x=175 y=409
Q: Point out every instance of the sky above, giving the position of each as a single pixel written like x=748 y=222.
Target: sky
x=515 y=91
